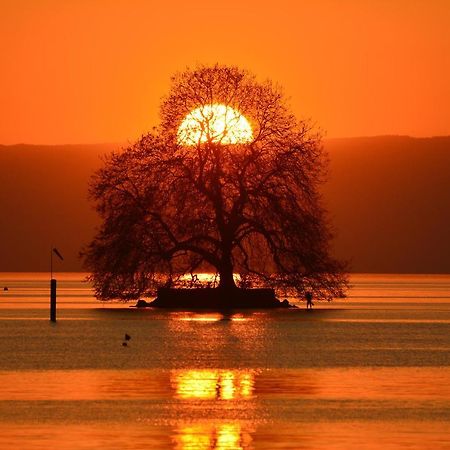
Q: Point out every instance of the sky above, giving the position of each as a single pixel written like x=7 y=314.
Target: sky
x=91 y=71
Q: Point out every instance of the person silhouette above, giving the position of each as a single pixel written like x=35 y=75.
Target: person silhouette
x=309 y=297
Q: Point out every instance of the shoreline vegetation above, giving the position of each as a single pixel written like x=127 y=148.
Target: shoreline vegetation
x=215 y=298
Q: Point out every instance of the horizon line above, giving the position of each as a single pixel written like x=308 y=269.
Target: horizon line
x=325 y=138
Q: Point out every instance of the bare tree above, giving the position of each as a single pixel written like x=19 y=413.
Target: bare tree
x=207 y=197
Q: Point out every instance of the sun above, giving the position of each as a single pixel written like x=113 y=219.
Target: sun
x=215 y=123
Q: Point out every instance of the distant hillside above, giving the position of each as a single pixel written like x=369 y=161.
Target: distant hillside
x=43 y=200
x=388 y=197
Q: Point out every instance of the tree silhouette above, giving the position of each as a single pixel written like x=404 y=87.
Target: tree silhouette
x=204 y=197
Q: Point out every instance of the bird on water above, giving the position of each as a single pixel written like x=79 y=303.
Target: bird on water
x=126 y=338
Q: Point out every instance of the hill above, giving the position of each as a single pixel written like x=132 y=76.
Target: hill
x=388 y=197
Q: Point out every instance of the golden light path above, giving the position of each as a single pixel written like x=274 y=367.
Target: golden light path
x=222 y=436
x=218 y=385
x=213 y=384
x=214 y=123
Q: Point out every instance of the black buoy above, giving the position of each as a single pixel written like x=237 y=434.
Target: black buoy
x=6 y=288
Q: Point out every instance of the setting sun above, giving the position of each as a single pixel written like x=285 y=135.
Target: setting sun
x=214 y=123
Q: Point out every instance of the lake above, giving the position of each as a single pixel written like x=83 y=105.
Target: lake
x=369 y=371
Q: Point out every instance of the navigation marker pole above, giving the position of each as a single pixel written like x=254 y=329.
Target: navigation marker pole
x=53 y=284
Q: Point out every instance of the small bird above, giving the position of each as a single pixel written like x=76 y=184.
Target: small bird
x=6 y=288
x=124 y=344
x=127 y=337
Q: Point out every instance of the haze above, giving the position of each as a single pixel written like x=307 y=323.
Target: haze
x=94 y=71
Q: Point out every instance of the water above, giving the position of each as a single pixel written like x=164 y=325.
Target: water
x=367 y=372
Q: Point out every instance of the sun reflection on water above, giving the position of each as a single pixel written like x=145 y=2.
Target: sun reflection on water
x=209 y=317
x=213 y=384
x=222 y=436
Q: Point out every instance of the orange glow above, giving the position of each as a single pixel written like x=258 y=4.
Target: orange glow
x=202 y=318
x=210 y=317
x=214 y=384
x=228 y=436
x=356 y=67
x=214 y=123
x=206 y=437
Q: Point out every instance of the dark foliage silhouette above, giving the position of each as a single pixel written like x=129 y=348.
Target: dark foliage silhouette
x=248 y=211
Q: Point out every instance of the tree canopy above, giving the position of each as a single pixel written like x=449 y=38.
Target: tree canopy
x=215 y=196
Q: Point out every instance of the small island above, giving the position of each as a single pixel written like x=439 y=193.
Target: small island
x=215 y=299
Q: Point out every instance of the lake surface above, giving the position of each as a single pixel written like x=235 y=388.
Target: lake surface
x=371 y=371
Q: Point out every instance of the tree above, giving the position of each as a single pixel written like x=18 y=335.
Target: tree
x=204 y=192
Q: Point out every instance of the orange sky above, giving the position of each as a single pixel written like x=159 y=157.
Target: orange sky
x=87 y=71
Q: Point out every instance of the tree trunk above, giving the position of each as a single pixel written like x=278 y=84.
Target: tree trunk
x=226 y=274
